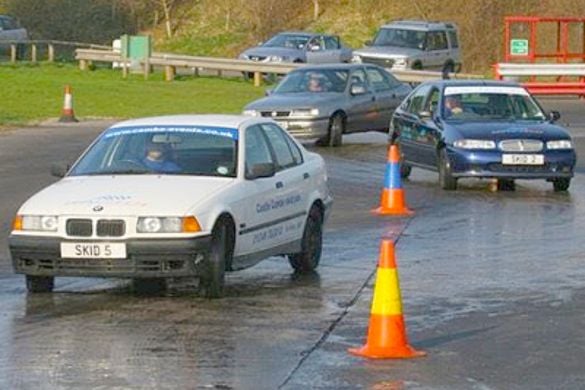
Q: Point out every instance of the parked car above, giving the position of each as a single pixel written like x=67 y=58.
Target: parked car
x=327 y=101
x=482 y=129
x=10 y=30
x=176 y=196
x=303 y=47
x=412 y=44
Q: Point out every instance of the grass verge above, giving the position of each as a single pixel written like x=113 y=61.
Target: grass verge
x=33 y=93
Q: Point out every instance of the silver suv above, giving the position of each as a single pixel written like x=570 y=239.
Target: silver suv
x=413 y=44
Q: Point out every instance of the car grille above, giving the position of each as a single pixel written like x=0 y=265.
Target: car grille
x=521 y=145
x=257 y=58
x=104 y=228
x=383 y=62
x=500 y=168
x=275 y=114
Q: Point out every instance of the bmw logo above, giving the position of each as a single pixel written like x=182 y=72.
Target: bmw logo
x=98 y=208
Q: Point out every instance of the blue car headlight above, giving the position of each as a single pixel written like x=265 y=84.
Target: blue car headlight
x=559 y=144
x=474 y=144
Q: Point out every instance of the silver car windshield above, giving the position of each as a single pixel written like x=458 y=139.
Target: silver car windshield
x=314 y=81
x=179 y=150
x=491 y=106
x=289 y=41
x=401 y=38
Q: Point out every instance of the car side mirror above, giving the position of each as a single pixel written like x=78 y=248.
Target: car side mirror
x=368 y=42
x=261 y=170
x=60 y=169
x=357 y=89
x=554 y=116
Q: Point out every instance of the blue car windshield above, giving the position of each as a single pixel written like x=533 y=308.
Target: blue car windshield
x=176 y=150
x=494 y=103
x=289 y=41
x=412 y=39
x=314 y=81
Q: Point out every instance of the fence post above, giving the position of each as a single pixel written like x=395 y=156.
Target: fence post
x=33 y=53
x=169 y=73
x=82 y=65
x=51 y=52
x=257 y=79
x=13 y=53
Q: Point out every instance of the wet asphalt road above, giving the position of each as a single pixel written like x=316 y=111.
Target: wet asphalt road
x=492 y=285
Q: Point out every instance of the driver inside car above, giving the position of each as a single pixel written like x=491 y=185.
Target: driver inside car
x=157 y=158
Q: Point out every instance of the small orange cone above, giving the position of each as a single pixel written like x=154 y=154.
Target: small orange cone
x=393 y=198
x=67 y=114
x=386 y=333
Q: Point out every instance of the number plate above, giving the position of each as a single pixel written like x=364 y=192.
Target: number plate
x=523 y=159
x=93 y=250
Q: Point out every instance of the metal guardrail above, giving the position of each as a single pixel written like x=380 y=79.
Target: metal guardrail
x=172 y=61
x=559 y=72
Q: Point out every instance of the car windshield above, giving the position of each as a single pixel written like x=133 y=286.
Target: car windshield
x=490 y=103
x=413 y=39
x=314 y=81
x=288 y=40
x=178 y=150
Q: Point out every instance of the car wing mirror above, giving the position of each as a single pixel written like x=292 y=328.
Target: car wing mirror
x=357 y=89
x=261 y=170
x=554 y=116
x=60 y=169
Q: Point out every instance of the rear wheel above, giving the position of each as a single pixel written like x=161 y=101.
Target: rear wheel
x=506 y=185
x=446 y=179
x=307 y=260
x=212 y=279
x=561 y=184
x=417 y=66
x=39 y=284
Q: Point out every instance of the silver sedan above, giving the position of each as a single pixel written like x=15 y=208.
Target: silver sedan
x=324 y=102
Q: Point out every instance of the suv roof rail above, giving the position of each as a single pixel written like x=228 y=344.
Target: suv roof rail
x=423 y=23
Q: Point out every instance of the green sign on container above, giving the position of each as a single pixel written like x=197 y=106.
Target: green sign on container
x=519 y=47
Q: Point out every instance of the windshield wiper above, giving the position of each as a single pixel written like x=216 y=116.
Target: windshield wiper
x=121 y=172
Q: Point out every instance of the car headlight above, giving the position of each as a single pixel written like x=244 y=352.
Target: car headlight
x=474 y=144
x=356 y=58
x=559 y=144
x=251 y=112
x=304 y=112
x=39 y=223
x=275 y=58
x=400 y=62
x=167 y=225
x=243 y=57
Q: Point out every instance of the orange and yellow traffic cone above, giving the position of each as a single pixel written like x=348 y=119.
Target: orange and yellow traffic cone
x=393 y=198
x=67 y=114
x=387 y=333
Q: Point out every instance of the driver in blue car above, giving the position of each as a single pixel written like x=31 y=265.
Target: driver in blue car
x=452 y=106
x=157 y=158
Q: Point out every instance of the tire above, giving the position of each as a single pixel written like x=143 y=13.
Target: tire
x=446 y=180
x=561 y=184
x=449 y=67
x=334 y=137
x=506 y=185
x=307 y=260
x=417 y=66
x=149 y=285
x=39 y=284
x=405 y=170
x=212 y=279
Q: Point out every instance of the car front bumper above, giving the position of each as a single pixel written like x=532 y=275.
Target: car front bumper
x=305 y=128
x=35 y=255
x=488 y=164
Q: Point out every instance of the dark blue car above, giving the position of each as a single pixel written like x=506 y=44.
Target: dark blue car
x=481 y=129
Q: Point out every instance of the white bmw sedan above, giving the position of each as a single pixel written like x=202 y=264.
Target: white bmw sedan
x=176 y=196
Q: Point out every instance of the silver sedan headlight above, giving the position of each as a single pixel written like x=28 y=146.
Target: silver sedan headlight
x=275 y=58
x=304 y=112
x=251 y=112
x=559 y=144
x=356 y=59
x=39 y=223
x=474 y=144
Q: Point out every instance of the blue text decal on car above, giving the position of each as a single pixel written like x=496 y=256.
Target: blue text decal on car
x=209 y=130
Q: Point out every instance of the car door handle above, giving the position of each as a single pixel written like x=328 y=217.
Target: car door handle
x=306 y=175
x=279 y=184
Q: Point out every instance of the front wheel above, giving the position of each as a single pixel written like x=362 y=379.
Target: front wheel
x=446 y=179
x=334 y=137
x=39 y=284
x=405 y=170
x=561 y=184
x=212 y=279
x=307 y=260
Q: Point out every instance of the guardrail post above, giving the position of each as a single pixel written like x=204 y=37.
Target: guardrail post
x=82 y=65
x=33 y=53
x=257 y=79
x=13 y=53
x=146 y=68
x=51 y=52
x=169 y=73
x=196 y=71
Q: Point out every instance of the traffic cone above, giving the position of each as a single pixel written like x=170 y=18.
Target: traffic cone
x=67 y=114
x=386 y=333
x=393 y=198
